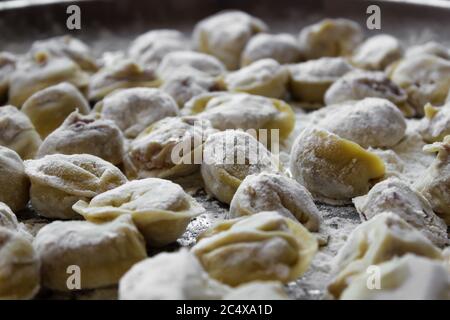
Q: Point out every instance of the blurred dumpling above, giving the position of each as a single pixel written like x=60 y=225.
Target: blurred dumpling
x=225 y=34
x=431 y=47
x=258 y=290
x=9 y=221
x=377 y=52
x=436 y=123
x=265 y=246
x=48 y=108
x=7 y=65
x=160 y=209
x=58 y=181
x=275 y=192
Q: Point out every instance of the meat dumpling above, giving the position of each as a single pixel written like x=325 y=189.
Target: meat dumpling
x=378 y=52
x=435 y=126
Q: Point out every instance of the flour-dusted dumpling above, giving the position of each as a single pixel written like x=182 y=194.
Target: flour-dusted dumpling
x=243 y=111
x=396 y=196
x=436 y=123
x=14 y=183
x=19 y=266
x=48 y=108
x=18 y=133
x=274 y=192
x=330 y=38
x=67 y=46
x=120 y=75
x=425 y=78
x=265 y=246
x=310 y=80
x=160 y=209
x=58 y=181
x=86 y=134
x=371 y=122
x=151 y=47
x=333 y=169
x=102 y=252
x=282 y=47
x=431 y=47
x=378 y=240
x=9 y=221
x=7 y=65
x=258 y=290
x=168 y=148
x=135 y=109
x=407 y=278
x=225 y=34
x=377 y=52
x=434 y=184
x=41 y=71
x=230 y=156
x=170 y=276
x=264 y=77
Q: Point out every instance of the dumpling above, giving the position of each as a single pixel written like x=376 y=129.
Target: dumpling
x=160 y=209
x=333 y=169
x=168 y=148
x=18 y=133
x=69 y=47
x=58 y=181
x=225 y=34
x=9 y=221
x=275 y=192
x=243 y=111
x=265 y=246
x=407 y=278
x=230 y=156
x=120 y=75
x=42 y=71
x=310 y=80
x=14 y=183
x=7 y=65
x=151 y=47
x=85 y=134
x=282 y=47
x=434 y=184
x=378 y=240
x=48 y=108
x=264 y=77
x=135 y=109
x=436 y=123
x=170 y=276
x=371 y=122
x=396 y=196
x=330 y=38
x=19 y=266
x=425 y=78
x=102 y=252
x=377 y=52
x=431 y=47
x=258 y=290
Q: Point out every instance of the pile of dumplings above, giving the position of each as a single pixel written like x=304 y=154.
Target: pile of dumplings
x=87 y=144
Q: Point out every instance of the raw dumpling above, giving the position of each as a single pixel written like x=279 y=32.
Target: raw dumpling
x=48 y=108
x=120 y=75
x=264 y=77
x=436 y=123
x=243 y=111
x=265 y=246
x=333 y=169
x=431 y=47
x=407 y=278
x=168 y=148
x=371 y=122
x=330 y=38
x=396 y=196
x=7 y=65
x=9 y=221
x=258 y=290
x=282 y=47
x=18 y=133
x=58 y=181
x=310 y=80
x=102 y=252
x=86 y=134
x=225 y=34
x=151 y=47
x=135 y=109
x=274 y=192
x=377 y=52
x=170 y=276
x=19 y=266
x=230 y=156
x=14 y=183
x=42 y=71
x=378 y=240
x=160 y=209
